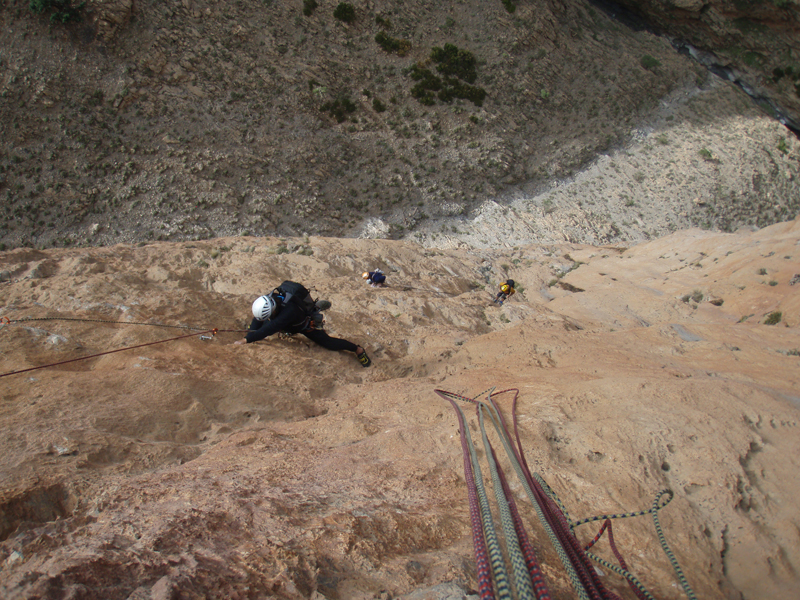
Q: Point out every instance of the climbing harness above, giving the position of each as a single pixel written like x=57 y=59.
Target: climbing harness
x=525 y=574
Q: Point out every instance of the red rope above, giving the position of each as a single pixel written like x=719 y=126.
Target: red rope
x=485 y=587
x=64 y=362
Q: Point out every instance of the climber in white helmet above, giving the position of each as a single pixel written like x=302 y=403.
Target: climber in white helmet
x=290 y=309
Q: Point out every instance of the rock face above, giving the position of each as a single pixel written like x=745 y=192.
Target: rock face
x=757 y=41
x=110 y=16
x=172 y=466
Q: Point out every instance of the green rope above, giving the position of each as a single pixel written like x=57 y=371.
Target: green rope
x=562 y=555
x=492 y=544
x=676 y=567
x=559 y=548
x=623 y=572
x=658 y=504
x=522 y=579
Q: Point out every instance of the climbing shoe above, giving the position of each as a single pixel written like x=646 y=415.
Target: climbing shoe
x=322 y=304
x=363 y=358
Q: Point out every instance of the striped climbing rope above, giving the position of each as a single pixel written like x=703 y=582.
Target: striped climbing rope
x=485 y=587
x=522 y=579
x=551 y=512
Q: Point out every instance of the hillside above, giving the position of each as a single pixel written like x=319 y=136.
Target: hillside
x=199 y=469
x=190 y=119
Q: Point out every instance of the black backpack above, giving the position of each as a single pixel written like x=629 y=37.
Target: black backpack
x=290 y=291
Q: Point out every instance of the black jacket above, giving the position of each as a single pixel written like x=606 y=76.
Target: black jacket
x=288 y=318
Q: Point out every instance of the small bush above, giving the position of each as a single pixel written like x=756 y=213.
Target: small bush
x=510 y=6
x=649 y=62
x=339 y=108
x=378 y=105
x=446 y=89
x=345 y=12
x=390 y=44
x=454 y=62
x=61 y=11
x=773 y=283
x=762 y=271
x=705 y=153
x=773 y=318
x=309 y=6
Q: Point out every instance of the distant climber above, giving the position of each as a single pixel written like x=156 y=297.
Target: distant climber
x=290 y=309
x=375 y=278
x=506 y=291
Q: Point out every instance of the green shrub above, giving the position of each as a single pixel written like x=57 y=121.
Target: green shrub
x=339 y=108
x=309 y=6
x=510 y=6
x=390 y=44
x=378 y=105
x=446 y=89
x=456 y=89
x=773 y=318
x=454 y=62
x=345 y=12
x=60 y=10
x=649 y=63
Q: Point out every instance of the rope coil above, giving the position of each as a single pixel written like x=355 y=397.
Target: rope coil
x=552 y=515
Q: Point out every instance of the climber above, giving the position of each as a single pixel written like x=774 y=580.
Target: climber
x=506 y=291
x=375 y=278
x=290 y=309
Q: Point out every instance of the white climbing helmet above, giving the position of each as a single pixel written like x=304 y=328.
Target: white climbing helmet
x=263 y=307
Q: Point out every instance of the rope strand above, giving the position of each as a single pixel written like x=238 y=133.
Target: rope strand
x=64 y=362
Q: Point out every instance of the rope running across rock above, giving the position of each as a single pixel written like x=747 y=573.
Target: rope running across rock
x=200 y=331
